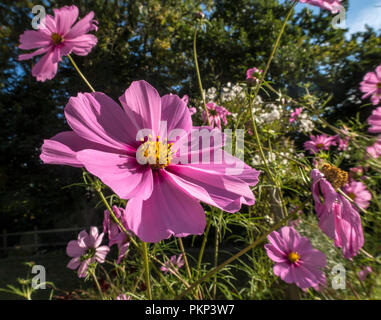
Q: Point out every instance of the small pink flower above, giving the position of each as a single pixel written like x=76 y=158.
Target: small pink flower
x=296 y=261
x=295 y=114
x=375 y=149
x=332 y=5
x=358 y=192
x=216 y=115
x=123 y=296
x=115 y=234
x=173 y=263
x=86 y=250
x=363 y=273
x=375 y=121
x=253 y=75
x=338 y=219
x=59 y=38
x=318 y=143
x=342 y=143
x=371 y=86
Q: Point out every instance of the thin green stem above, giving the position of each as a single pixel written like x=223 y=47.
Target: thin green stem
x=198 y=73
x=205 y=239
x=97 y=284
x=147 y=273
x=185 y=258
x=80 y=73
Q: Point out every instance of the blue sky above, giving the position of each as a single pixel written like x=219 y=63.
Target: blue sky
x=360 y=13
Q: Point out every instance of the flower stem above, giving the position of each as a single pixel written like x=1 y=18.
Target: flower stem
x=146 y=267
x=185 y=258
x=198 y=73
x=80 y=73
x=97 y=283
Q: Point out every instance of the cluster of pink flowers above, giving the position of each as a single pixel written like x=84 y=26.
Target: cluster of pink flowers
x=332 y=5
x=371 y=87
x=58 y=38
x=217 y=114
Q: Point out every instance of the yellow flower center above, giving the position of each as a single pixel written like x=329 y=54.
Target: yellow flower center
x=157 y=154
x=56 y=38
x=320 y=145
x=352 y=195
x=293 y=257
x=337 y=177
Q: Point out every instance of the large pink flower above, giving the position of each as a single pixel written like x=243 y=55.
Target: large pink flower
x=375 y=121
x=59 y=38
x=296 y=261
x=164 y=177
x=338 y=219
x=319 y=143
x=331 y=5
x=86 y=250
x=358 y=192
x=371 y=86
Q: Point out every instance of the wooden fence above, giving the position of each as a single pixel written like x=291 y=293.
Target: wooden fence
x=34 y=239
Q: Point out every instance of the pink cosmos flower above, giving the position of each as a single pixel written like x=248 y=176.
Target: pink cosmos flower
x=164 y=188
x=123 y=296
x=296 y=261
x=86 y=250
x=375 y=149
x=59 y=38
x=295 y=114
x=358 y=192
x=332 y=5
x=363 y=273
x=371 y=86
x=375 y=121
x=253 y=75
x=342 y=143
x=173 y=263
x=338 y=219
x=318 y=143
x=115 y=234
x=216 y=115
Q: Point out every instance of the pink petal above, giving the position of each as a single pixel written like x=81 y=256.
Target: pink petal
x=32 y=39
x=121 y=173
x=167 y=212
x=74 y=263
x=63 y=148
x=101 y=253
x=81 y=45
x=142 y=105
x=45 y=68
x=223 y=191
x=73 y=249
x=274 y=254
x=96 y=117
x=83 y=26
x=65 y=18
x=175 y=113
x=82 y=270
x=32 y=54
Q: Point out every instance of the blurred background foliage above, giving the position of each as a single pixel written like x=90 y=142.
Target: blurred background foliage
x=152 y=40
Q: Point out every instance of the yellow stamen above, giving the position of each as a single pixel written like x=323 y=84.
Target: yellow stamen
x=157 y=154
x=337 y=177
x=57 y=39
x=293 y=257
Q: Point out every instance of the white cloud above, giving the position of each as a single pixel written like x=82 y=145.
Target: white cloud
x=370 y=16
